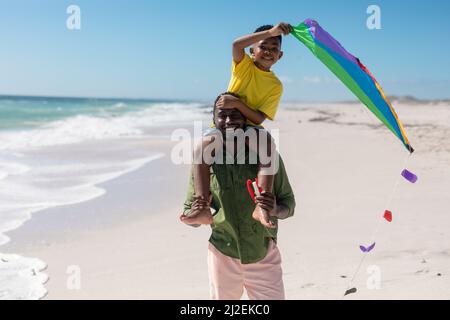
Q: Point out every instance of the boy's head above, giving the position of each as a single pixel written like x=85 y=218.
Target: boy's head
x=266 y=52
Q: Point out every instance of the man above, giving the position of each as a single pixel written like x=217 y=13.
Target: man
x=242 y=252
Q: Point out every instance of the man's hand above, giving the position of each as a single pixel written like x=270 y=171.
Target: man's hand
x=199 y=204
x=228 y=101
x=282 y=28
x=200 y=212
x=265 y=207
x=267 y=202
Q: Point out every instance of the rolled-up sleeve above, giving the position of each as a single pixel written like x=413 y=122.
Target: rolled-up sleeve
x=189 y=198
x=190 y=194
x=283 y=190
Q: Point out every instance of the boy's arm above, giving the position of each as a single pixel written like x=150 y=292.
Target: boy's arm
x=243 y=42
x=231 y=102
x=257 y=117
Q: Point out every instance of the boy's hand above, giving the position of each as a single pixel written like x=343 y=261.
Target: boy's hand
x=282 y=28
x=228 y=102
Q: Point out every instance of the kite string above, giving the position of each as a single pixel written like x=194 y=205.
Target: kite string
x=378 y=223
x=391 y=196
x=363 y=257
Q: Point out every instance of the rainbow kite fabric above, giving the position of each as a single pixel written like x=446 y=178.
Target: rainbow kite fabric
x=352 y=73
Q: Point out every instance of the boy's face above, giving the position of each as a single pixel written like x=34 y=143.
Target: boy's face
x=266 y=53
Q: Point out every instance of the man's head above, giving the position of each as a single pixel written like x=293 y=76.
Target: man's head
x=266 y=52
x=228 y=118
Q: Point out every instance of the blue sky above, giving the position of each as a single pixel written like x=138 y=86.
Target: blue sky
x=182 y=49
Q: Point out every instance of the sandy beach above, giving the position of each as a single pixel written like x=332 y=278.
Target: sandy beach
x=343 y=166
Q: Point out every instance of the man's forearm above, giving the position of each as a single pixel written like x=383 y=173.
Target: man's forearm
x=282 y=211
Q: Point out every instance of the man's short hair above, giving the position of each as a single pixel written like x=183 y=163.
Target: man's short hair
x=267 y=27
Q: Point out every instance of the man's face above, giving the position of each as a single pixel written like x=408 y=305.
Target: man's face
x=228 y=119
x=266 y=53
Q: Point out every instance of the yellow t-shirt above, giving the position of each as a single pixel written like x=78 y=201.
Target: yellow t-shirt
x=259 y=90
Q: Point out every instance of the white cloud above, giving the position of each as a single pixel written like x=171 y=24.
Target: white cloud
x=318 y=80
x=285 y=79
x=312 y=80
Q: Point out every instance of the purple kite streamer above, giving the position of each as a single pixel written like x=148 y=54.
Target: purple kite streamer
x=368 y=249
x=408 y=175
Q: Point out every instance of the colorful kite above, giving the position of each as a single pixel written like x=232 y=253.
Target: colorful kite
x=362 y=83
x=352 y=73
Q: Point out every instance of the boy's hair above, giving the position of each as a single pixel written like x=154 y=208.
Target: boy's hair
x=267 y=27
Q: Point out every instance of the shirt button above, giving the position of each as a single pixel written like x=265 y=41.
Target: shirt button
x=228 y=244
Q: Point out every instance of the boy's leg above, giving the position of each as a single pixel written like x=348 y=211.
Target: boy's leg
x=267 y=162
x=201 y=180
x=201 y=169
x=263 y=280
x=225 y=276
x=265 y=180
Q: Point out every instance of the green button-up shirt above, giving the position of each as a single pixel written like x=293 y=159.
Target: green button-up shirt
x=234 y=232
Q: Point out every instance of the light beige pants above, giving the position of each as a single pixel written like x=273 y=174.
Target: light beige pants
x=228 y=277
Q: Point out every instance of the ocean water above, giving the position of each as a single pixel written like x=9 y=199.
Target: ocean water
x=55 y=152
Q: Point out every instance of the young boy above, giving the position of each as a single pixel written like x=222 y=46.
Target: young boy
x=260 y=92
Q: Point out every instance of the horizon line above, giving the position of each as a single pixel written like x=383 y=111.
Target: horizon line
x=392 y=97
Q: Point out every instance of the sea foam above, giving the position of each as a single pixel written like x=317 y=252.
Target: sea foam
x=27 y=189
